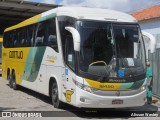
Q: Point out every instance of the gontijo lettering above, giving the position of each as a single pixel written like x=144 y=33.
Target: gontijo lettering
x=16 y=54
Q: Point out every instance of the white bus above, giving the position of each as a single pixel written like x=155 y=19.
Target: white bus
x=86 y=57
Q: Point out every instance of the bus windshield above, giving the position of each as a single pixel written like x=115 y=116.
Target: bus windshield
x=111 y=49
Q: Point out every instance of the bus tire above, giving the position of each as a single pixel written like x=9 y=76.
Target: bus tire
x=8 y=75
x=13 y=79
x=54 y=95
x=10 y=81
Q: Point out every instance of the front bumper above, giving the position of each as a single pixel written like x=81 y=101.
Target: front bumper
x=89 y=100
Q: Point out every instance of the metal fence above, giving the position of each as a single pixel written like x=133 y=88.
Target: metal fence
x=154 y=59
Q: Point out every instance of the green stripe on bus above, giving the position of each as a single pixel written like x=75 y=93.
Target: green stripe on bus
x=33 y=63
x=47 y=17
x=29 y=62
x=137 y=84
x=126 y=85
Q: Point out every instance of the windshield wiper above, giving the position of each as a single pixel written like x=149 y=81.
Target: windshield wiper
x=104 y=77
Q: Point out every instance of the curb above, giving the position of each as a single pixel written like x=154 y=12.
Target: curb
x=156 y=101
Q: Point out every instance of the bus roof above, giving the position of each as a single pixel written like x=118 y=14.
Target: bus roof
x=79 y=13
x=95 y=14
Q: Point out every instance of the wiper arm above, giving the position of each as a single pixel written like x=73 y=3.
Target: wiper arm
x=105 y=76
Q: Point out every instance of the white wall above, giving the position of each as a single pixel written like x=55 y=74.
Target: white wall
x=153 y=27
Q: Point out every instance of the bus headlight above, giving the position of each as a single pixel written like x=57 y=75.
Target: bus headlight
x=89 y=89
x=85 y=87
x=143 y=87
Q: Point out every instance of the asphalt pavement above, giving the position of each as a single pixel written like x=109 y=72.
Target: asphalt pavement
x=24 y=103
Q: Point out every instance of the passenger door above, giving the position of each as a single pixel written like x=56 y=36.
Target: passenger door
x=69 y=70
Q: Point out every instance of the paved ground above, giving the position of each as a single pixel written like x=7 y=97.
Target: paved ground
x=27 y=100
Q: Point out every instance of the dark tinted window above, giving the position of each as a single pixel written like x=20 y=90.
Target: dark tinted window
x=5 y=39
x=0 y=52
x=63 y=22
x=51 y=35
x=30 y=35
x=39 y=34
x=70 y=56
x=23 y=37
x=19 y=38
x=12 y=37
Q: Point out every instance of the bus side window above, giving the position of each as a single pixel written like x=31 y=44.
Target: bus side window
x=9 y=39
x=12 y=38
x=40 y=34
x=18 y=37
x=70 y=56
x=6 y=39
x=23 y=37
x=30 y=35
x=51 y=34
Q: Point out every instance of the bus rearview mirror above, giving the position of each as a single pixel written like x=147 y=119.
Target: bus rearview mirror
x=76 y=37
x=152 y=41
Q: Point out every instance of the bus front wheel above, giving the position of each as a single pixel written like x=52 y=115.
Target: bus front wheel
x=54 y=95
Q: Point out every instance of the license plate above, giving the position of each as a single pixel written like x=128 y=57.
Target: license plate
x=117 y=101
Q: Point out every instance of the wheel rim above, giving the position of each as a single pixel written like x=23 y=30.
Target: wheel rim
x=14 y=84
x=14 y=81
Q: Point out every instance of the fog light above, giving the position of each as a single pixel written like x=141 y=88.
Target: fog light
x=82 y=99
